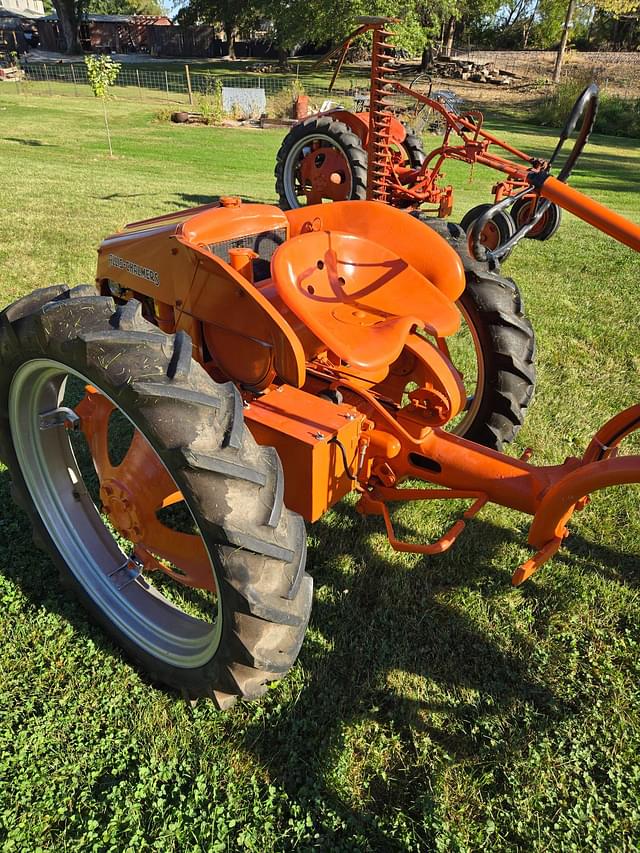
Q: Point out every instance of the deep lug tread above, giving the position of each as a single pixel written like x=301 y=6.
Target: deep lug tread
x=414 y=147
x=181 y=360
x=170 y=392
x=278 y=494
x=233 y=434
x=224 y=466
x=495 y=305
x=128 y=317
x=342 y=136
x=258 y=546
x=265 y=591
x=33 y=301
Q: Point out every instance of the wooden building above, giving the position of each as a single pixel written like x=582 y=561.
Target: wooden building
x=105 y=33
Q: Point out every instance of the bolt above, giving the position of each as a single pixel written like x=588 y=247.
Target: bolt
x=318 y=436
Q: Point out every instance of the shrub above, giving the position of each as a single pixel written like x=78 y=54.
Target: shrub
x=210 y=104
x=616 y=116
x=281 y=104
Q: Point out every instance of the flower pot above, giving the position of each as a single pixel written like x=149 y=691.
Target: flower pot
x=301 y=107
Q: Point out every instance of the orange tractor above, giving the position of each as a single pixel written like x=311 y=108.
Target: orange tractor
x=338 y=154
x=235 y=371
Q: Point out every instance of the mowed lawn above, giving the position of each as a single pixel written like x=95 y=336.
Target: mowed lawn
x=433 y=707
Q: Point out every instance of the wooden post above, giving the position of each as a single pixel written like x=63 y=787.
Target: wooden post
x=139 y=86
x=166 y=83
x=186 y=71
x=46 y=77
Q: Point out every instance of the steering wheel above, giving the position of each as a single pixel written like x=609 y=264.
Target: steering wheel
x=586 y=107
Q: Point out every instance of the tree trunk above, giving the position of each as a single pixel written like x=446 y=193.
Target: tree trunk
x=231 y=31
x=526 y=32
x=69 y=21
x=283 y=58
x=451 y=31
x=427 y=58
x=563 y=41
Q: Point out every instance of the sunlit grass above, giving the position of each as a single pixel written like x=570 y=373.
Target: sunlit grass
x=433 y=706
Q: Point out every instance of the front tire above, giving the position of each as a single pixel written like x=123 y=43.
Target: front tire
x=542 y=230
x=55 y=339
x=495 y=233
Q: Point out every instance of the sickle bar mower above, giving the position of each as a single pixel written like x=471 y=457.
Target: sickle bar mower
x=263 y=364
x=340 y=155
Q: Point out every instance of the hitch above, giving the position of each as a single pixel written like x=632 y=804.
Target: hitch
x=551 y=494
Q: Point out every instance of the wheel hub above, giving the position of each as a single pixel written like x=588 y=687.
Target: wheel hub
x=119 y=504
x=325 y=171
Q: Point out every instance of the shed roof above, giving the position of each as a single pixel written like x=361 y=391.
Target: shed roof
x=114 y=19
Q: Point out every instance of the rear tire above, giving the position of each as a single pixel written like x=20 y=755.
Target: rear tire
x=232 y=487
x=414 y=149
x=492 y=305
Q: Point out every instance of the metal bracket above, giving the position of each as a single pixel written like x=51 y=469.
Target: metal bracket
x=62 y=416
x=132 y=567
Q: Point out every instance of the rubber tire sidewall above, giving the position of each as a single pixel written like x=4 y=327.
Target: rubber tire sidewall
x=342 y=137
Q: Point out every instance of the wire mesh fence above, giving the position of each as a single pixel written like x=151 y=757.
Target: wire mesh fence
x=176 y=87
x=181 y=87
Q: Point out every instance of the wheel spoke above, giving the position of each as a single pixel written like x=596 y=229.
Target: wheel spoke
x=185 y=551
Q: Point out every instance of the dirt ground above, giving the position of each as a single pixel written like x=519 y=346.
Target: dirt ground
x=618 y=73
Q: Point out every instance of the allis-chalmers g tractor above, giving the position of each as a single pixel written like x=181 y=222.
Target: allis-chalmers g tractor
x=236 y=371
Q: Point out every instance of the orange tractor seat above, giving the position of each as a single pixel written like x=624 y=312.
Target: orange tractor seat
x=358 y=297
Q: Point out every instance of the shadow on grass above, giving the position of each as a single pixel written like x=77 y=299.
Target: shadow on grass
x=394 y=649
x=196 y=199
x=33 y=143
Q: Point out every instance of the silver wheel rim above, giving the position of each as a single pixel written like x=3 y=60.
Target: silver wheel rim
x=56 y=486
x=475 y=401
x=291 y=162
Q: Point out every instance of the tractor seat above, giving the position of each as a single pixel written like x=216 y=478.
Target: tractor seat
x=359 y=298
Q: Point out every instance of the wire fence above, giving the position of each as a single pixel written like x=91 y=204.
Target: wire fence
x=179 y=87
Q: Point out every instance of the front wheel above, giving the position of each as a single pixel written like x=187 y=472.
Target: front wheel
x=143 y=483
x=495 y=233
x=524 y=208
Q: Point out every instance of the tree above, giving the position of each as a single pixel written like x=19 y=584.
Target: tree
x=69 y=14
x=234 y=15
x=102 y=72
x=125 y=7
x=615 y=7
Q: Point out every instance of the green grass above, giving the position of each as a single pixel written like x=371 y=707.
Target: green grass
x=433 y=707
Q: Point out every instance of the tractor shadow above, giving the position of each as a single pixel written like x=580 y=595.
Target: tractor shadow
x=413 y=654
x=197 y=199
x=407 y=651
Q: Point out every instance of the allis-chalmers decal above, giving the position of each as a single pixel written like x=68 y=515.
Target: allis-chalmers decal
x=134 y=269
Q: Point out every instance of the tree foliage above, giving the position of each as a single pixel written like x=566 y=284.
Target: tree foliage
x=125 y=7
x=102 y=72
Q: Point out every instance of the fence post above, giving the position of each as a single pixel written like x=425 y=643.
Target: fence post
x=166 y=83
x=139 y=86
x=46 y=77
x=73 y=74
x=186 y=71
